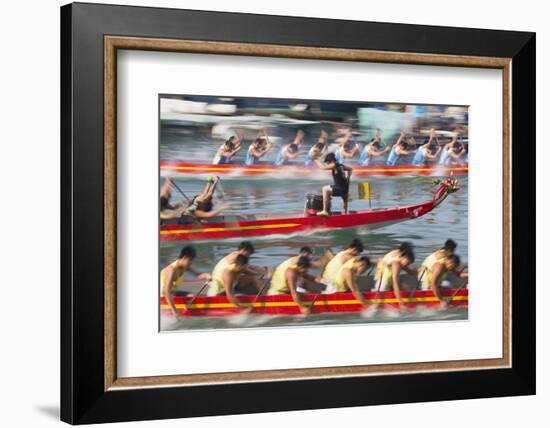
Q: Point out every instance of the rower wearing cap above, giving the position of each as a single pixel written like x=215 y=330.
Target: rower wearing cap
x=200 y=206
x=353 y=250
x=171 y=276
x=227 y=151
x=390 y=267
x=286 y=276
x=402 y=147
x=247 y=279
x=345 y=279
x=436 y=266
x=341 y=174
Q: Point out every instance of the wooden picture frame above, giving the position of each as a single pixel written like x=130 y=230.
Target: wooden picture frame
x=91 y=390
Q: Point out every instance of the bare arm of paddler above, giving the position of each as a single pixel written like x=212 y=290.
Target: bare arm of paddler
x=291 y=277
x=395 y=271
x=228 y=278
x=204 y=275
x=349 y=278
x=208 y=214
x=327 y=166
x=166 y=291
x=437 y=270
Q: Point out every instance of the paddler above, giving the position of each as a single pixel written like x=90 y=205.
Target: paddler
x=285 y=280
x=373 y=149
x=200 y=206
x=166 y=195
x=290 y=152
x=354 y=249
x=454 y=150
x=436 y=266
x=341 y=174
x=226 y=279
x=428 y=151
x=403 y=146
x=345 y=279
x=246 y=279
x=227 y=150
x=258 y=149
x=171 y=277
x=319 y=149
x=390 y=267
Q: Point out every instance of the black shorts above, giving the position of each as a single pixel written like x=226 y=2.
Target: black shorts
x=339 y=191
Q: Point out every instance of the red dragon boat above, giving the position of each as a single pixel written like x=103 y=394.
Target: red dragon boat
x=183 y=168
x=189 y=228
x=219 y=306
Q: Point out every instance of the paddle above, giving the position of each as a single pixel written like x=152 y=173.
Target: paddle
x=220 y=189
x=241 y=318
x=266 y=283
x=197 y=295
x=458 y=290
x=181 y=191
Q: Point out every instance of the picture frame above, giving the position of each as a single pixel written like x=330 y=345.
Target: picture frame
x=91 y=391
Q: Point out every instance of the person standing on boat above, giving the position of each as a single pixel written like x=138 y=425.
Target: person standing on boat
x=428 y=151
x=402 y=147
x=318 y=150
x=373 y=150
x=227 y=151
x=247 y=279
x=390 y=267
x=258 y=149
x=345 y=279
x=341 y=174
x=286 y=277
x=290 y=152
x=171 y=277
x=354 y=249
x=200 y=206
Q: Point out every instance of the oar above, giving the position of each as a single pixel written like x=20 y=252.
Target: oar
x=266 y=283
x=220 y=188
x=458 y=290
x=197 y=295
x=181 y=191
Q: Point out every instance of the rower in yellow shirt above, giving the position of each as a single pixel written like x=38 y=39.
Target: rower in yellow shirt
x=247 y=279
x=435 y=268
x=345 y=279
x=353 y=250
x=285 y=279
x=390 y=267
x=171 y=277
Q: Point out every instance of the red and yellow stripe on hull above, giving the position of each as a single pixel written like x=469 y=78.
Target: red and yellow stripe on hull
x=219 y=306
x=183 y=168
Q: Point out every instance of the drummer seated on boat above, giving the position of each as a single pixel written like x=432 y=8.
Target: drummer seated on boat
x=200 y=206
x=341 y=174
x=345 y=279
x=436 y=266
x=405 y=145
x=428 y=151
x=374 y=149
x=390 y=267
x=319 y=149
x=248 y=281
x=285 y=280
x=227 y=151
x=171 y=276
x=354 y=249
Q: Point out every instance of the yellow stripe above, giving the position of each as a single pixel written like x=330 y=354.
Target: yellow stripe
x=230 y=228
x=251 y=169
x=317 y=303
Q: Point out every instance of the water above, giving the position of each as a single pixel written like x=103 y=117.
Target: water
x=275 y=195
